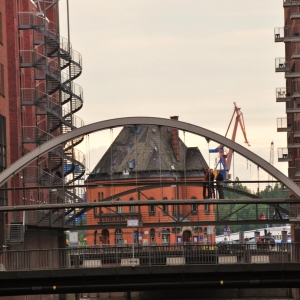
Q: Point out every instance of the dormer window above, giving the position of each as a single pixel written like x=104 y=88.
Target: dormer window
x=131 y=164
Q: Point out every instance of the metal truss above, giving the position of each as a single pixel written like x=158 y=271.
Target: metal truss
x=186 y=127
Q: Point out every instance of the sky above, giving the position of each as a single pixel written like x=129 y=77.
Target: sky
x=190 y=58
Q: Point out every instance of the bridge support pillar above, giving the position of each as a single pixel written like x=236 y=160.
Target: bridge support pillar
x=128 y=295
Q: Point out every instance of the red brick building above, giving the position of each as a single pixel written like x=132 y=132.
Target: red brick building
x=289 y=64
x=148 y=163
x=38 y=101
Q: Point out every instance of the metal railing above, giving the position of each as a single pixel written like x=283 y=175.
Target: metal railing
x=176 y=254
x=282 y=123
x=283 y=154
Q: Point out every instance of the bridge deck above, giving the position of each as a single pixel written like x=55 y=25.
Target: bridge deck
x=104 y=269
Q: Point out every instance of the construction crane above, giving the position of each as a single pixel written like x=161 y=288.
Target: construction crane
x=225 y=156
x=271 y=161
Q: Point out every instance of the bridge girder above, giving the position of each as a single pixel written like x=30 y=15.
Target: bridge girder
x=113 y=123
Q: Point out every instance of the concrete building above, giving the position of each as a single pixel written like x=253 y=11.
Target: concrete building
x=38 y=101
x=157 y=160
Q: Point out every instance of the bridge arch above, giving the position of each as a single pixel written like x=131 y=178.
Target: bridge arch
x=119 y=122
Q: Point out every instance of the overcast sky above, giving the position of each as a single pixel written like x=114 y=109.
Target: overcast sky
x=190 y=58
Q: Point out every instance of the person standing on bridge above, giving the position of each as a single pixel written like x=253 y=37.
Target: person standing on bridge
x=220 y=182
x=211 y=178
x=205 y=183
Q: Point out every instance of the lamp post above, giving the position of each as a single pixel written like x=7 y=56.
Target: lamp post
x=133 y=223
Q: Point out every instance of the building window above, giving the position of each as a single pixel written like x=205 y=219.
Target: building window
x=132 y=208
x=194 y=207
x=119 y=237
x=206 y=208
x=151 y=208
x=165 y=207
x=100 y=196
x=165 y=237
x=119 y=208
x=152 y=237
x=2 y=80
x=1 y=30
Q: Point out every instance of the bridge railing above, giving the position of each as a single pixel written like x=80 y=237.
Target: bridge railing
x=111 y=257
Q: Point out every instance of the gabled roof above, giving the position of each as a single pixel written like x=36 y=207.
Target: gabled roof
x=147 y=149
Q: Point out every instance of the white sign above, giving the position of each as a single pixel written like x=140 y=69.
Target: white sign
x=73 y=237
x=132 y=223
x=210 y=230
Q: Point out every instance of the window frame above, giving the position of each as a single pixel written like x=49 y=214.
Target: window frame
x=151 y=208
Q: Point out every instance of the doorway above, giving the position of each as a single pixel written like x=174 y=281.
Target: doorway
x=187 y=236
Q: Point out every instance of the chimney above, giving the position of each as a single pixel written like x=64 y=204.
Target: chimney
x=175 y=139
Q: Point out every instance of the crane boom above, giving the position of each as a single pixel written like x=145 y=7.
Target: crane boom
x=225 y=158
x=239 y=119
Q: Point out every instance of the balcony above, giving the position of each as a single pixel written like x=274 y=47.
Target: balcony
x=295 y=14
x=296 y=54
x=292 y=107
x=281 y=65
x=282 y=125
x=287 y=34
x=288 y=3
x=284 y=155
x=282 y=95
x=290 y=68
x=293 y=142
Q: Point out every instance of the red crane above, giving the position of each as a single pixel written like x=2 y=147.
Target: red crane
x=225 y=156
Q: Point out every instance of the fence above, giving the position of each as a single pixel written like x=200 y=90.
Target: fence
x=178 y=254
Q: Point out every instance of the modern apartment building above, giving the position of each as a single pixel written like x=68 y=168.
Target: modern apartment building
x=289 y=65
x=38 y=101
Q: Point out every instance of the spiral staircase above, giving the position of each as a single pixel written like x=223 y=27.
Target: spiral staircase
x=54 y=98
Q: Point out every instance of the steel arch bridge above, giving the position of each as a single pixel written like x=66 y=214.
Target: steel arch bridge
x=120 y=122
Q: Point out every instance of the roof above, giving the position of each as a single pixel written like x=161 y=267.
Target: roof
x=149 y=149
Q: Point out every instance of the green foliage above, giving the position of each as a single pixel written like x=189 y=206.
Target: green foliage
x=231 y=211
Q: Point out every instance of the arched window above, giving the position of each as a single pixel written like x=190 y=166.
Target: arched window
x=119 y=237
x=97 y=210
x=194 y=207
x=151 y=208
x=165 y=207
x=152 y=236
x=132 y=208
x=104 y=237
x=165 y=237
x=100 y=196
x=119 y=208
